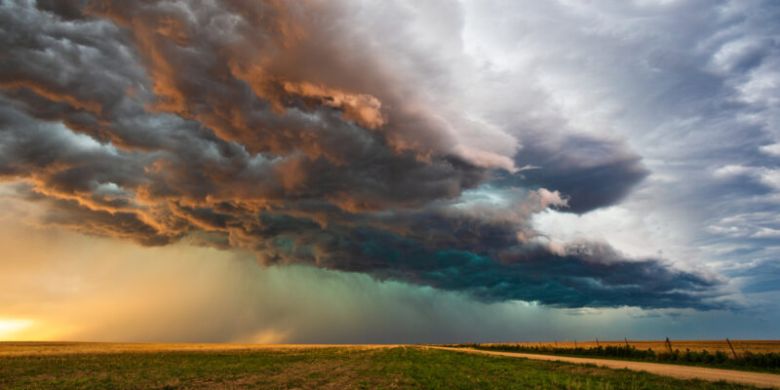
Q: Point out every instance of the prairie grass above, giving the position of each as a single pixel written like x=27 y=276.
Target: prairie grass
x=392 y=367
x=747 y=360
x=741 y=346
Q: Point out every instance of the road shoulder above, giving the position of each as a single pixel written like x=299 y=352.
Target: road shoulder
x=758 y=379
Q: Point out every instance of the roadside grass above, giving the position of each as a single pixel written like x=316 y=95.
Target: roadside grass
x=320 y=368
x=712 y=346
x=747 y=361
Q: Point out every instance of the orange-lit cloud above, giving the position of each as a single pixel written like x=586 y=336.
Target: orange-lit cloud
x=283 y=130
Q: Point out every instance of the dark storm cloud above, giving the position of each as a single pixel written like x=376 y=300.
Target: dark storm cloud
x=592 y=173
x=66 y=9
x=273 y=127
x=585 y=275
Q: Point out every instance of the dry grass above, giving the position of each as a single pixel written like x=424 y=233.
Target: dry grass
x=755 y=346
x=59 y=348
x=62 y=348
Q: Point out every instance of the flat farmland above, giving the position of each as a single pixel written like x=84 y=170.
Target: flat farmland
x=239 y=366
x=34 y=348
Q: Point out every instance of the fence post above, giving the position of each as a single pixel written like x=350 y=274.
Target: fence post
x=732 y=348
x=669 y=345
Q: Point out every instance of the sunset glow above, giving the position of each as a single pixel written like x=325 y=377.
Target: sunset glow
x=11 y=327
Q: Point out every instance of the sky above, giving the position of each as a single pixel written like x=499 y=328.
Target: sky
x=389 y=171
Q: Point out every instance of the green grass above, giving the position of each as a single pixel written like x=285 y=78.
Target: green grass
x=335 y=368
x=756 y=362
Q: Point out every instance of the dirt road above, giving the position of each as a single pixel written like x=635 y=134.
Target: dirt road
x=759 y=379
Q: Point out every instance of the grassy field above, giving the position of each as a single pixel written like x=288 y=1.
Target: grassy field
x=125 y=366
x=745 y=355
x=741 y=346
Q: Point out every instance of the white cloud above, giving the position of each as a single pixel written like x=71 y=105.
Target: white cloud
x=771 y=149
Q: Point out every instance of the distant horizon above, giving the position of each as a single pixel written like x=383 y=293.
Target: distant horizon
x=385 y=172
x=485 y=342
x=550 y=342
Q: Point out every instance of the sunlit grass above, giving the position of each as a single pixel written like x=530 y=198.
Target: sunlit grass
x=315 y=368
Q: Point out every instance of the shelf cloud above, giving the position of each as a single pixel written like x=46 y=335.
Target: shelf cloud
x=313 y=133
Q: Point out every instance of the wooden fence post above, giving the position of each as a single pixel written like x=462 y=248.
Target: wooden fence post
x=732 y=348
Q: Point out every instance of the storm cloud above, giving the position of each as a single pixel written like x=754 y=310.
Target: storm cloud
x=290 y=130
